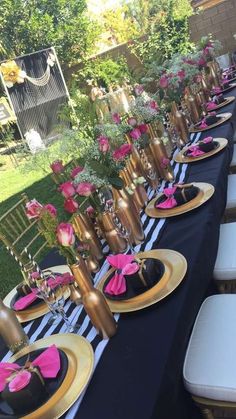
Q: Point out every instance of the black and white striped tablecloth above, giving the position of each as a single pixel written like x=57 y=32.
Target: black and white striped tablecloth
x=39 y=328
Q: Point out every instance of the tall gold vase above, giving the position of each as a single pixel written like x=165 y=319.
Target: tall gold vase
x=141 y=193
x=160 y=155
x=213 y=76
x=129 y=218
x=116 y=243
x=193 y=107
x=180 y=122
x=85 y=231
x=94 y=302
x=149 y=168
x=128 y=181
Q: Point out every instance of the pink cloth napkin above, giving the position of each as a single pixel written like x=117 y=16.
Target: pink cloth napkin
x=124 y=265
x=170 y=202
x=48 y=363
x=216 y=90
x=210 y=106
x=195 y=151
x=25 y=301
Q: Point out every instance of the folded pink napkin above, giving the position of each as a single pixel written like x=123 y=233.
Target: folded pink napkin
x=194 y=151
x=170 y=202
x=48 y=363
x=125 y=265
x=203 y=124
x=216 y=90
x=210 y=106
x=24 y=302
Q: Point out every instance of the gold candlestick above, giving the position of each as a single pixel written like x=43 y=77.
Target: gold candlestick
x=94 y=302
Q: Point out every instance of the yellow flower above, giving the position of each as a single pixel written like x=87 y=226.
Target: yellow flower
x=12 y=73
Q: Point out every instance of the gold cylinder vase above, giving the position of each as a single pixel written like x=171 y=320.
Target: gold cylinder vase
x=129 y=218
x=193 y=107
x=141 y=193
x=116 y=243
x=94 y=302
x=180 y=122
x=85 y=231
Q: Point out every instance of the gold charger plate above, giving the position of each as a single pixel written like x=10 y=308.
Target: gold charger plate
x=80 y=367
x=205 y=193
x=181 y=158
x=228 y=100
x=175 y=270
x=223 y=118
x=34 y=312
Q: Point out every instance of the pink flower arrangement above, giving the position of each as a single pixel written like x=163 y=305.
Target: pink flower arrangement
x=181 y=74
x=65 y=234
x=135 y=133
x=50 y=208
x=76 y=170
x=33 y=209
x=57 y=166
x=164 y=162
x=153 y=105
x=104 y=145
x=116 y=118
x=122 y=152
x=202 y=62
x=70 y=205
x=85 y=188
x=67 y=189
x=90 y=211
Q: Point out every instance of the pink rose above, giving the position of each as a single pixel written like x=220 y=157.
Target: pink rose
x=70 y=205
x=164 y=162
x=121 y=152
x=132 y=121
x=189 y=61
x=90 y=211
x=138 y=89
x=116 y=118
x=76 y=170
x=20 y=381
x=163 y=82
x=85 y=188
x=104 y=145
x=33 y=209
x=35 y=275
x=57 y=166
x=153 y=105
x=50 y=208
x=202 y=62
x=181 y=74
x=135 y=133
x=67 y=189
x=142 y=128
x=65 y=234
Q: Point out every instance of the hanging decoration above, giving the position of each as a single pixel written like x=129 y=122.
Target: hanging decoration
x=13 y=74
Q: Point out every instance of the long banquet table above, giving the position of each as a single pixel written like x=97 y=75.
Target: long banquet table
x=139 y=375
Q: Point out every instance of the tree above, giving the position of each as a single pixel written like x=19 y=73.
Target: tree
x=119 y=24
x=31 y=25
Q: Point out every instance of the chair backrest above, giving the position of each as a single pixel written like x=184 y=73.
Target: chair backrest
x=64 y=176
x=18 y=233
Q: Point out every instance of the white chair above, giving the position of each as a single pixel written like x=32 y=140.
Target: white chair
x=231 y=193
x=225 y=265
x=209 y=370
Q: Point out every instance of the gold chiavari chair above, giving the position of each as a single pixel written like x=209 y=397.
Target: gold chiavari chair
x=64 y=176
x=18 y=233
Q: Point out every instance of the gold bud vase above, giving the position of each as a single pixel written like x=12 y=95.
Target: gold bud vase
x=193 y=107
x=160 y=157
x=127 y=215
x=116 y=243
x=85 y=231
x=213 y=76
x=141 y=193
x=148 y=166
x=94 y=302
x=180 y=122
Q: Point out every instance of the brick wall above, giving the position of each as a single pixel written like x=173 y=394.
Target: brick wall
x=220 y=20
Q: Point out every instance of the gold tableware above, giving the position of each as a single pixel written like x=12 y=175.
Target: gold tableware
x=80 y=367
x=38 y=310
x=227 y=101
x=223 y=117
x=94 y=302
x=206 y=191
x=231 y=86
x=182 y=158
x=175 y=269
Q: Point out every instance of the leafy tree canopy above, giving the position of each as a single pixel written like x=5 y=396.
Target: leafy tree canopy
x=31 y=25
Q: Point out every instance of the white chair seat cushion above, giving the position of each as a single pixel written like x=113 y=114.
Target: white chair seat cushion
x=225 y=266
x=210 y=362
x=231 y=194
x=233 y=161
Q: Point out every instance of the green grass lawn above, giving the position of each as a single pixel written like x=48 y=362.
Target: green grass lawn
x=12 y=183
